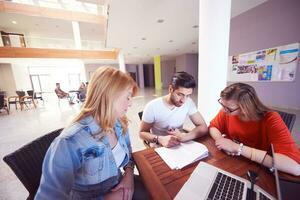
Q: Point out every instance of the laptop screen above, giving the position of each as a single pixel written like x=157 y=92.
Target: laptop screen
x=286 y=189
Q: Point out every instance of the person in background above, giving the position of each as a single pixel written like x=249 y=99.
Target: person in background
x=246 y=127
x=163 y=118
x=86 y=159
x=82 y=92
x=62 y=94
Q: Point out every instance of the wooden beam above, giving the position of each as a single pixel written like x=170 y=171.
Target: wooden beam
x=18 y=52
x=53 y=13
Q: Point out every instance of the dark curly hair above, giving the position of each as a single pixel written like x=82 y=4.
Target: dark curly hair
x=183 y=79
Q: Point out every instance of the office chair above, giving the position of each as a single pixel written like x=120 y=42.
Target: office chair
x=3 y=104
x=288 y=118
x=25 y=100
x=27 y=161
x=35 y=95
x=146 y=143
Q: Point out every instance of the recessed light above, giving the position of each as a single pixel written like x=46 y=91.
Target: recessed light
x=14 y=22
x=170 y=40
x=160 y=21
x=144 y=38
x=194 y=43
x=195 y=26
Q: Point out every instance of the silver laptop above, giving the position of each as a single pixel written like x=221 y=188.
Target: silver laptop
x=208 y=182
x=286 y=189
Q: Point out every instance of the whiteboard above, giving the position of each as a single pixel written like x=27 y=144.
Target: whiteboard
x=273 y=64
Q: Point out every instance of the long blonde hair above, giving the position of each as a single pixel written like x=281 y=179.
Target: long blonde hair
x=104 y=88
x=247 y=99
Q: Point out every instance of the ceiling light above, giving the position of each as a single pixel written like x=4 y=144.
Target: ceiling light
x=160 y=21
x=14 y=22
x=143 y=38
x=195 y=26
x=170 y=40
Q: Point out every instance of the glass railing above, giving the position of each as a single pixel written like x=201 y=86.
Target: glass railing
x=70 y=5
x=49 y=43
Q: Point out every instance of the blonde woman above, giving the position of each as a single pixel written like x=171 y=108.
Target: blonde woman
x=84 y=162
x=246 y=127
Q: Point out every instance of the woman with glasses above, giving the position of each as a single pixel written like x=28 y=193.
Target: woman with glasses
x=246 y=127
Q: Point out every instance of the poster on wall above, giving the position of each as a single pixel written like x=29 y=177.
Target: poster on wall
x=273 y=64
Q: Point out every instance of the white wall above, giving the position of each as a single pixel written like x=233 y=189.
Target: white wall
x=21 y=75
x=58 y=69
x=7 y=81
x=90 y=68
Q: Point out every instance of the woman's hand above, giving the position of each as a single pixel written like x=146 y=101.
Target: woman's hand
x=227 y=145
x=126 y=184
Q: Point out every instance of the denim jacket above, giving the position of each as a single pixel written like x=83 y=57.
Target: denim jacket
x=77 y=166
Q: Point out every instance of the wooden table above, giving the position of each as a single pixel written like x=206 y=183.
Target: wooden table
x=164 y=183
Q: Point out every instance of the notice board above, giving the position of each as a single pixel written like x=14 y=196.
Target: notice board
x=273 y=64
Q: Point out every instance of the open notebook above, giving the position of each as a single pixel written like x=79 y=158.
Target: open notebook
x=182 y=155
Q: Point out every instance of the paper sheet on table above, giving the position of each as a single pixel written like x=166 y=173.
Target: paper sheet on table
x=182 y=155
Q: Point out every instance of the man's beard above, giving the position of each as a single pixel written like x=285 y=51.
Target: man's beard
x=174 y=102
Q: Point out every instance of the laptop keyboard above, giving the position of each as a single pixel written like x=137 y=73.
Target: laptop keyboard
x=261 y=196
x=226 y=187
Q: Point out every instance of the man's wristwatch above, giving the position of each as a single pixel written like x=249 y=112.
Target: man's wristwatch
x=155 y=139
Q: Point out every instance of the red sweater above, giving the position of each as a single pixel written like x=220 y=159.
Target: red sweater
x=259 y=134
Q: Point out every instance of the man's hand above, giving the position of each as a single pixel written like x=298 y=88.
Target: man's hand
x=227 y=145
x=126 y=185
x=168 y=140
x=175 y=132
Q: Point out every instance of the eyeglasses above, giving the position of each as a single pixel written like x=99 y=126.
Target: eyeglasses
x=229 y=110
x=182 y=96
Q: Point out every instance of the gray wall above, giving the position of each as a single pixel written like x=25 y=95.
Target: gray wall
x=167 y=71
x=188 y=63
x=148 y=70
x=132 y=68
x=274 y=23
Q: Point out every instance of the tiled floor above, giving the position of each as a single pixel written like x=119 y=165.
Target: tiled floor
x=21 y=127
